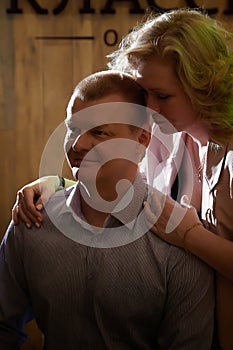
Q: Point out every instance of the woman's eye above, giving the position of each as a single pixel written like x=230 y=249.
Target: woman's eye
x=162 y=97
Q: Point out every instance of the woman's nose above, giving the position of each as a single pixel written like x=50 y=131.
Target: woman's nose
x=153 y=104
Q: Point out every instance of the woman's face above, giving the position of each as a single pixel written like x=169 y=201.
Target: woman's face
x=165 y=93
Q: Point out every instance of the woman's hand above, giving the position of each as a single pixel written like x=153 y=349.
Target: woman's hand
x=175 y=220
x=31 y=199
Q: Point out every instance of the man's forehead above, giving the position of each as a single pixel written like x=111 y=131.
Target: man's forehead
x=108 y=113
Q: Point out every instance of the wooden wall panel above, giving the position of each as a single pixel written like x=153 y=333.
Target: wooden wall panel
x=7 y=174
x=44 y=73
x=6 y=75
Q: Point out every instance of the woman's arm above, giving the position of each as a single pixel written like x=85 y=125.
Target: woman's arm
x=184 y=229
x=32 y=197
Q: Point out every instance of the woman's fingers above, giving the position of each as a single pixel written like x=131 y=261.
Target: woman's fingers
x=153 y=211
x=184 y=201
x=162 y=213
x=169 y=219
x=32 y=198
x=24 y=217
x=27 y=211
x=24 y=208
x=15 y=210
x=150 y=216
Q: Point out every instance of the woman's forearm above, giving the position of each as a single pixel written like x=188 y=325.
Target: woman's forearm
x=212 y=249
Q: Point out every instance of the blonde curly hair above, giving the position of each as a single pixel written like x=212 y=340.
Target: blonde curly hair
x=201 y=50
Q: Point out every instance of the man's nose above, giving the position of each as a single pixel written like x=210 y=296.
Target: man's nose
x=83 y=142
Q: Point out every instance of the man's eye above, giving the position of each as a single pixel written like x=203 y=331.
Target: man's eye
x=99 y=132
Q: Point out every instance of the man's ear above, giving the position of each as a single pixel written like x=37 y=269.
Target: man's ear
x=144 y=137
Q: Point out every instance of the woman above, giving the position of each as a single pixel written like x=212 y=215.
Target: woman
x=183 y=60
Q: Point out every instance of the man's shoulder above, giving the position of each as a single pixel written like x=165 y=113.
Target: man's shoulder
x=61 y=195
x=58 y=200
x=176 y=258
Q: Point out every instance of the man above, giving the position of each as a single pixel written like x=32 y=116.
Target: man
x=93 y=276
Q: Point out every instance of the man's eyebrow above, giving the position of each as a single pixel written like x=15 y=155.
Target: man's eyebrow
x=101 y=126
x=69 y=124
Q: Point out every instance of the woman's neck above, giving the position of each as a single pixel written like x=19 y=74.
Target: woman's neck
x=199 y=133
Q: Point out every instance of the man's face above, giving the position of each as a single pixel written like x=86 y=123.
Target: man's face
x=102 y=153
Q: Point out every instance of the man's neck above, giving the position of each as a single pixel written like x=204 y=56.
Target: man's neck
x=93 y=216
x=91 y=202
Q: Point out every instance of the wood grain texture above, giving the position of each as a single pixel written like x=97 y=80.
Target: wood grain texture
x=37 y=79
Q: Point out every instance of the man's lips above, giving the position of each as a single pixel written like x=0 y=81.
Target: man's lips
x=83 y=161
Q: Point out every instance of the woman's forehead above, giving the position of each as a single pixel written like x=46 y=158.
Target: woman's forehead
x=156 y=66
